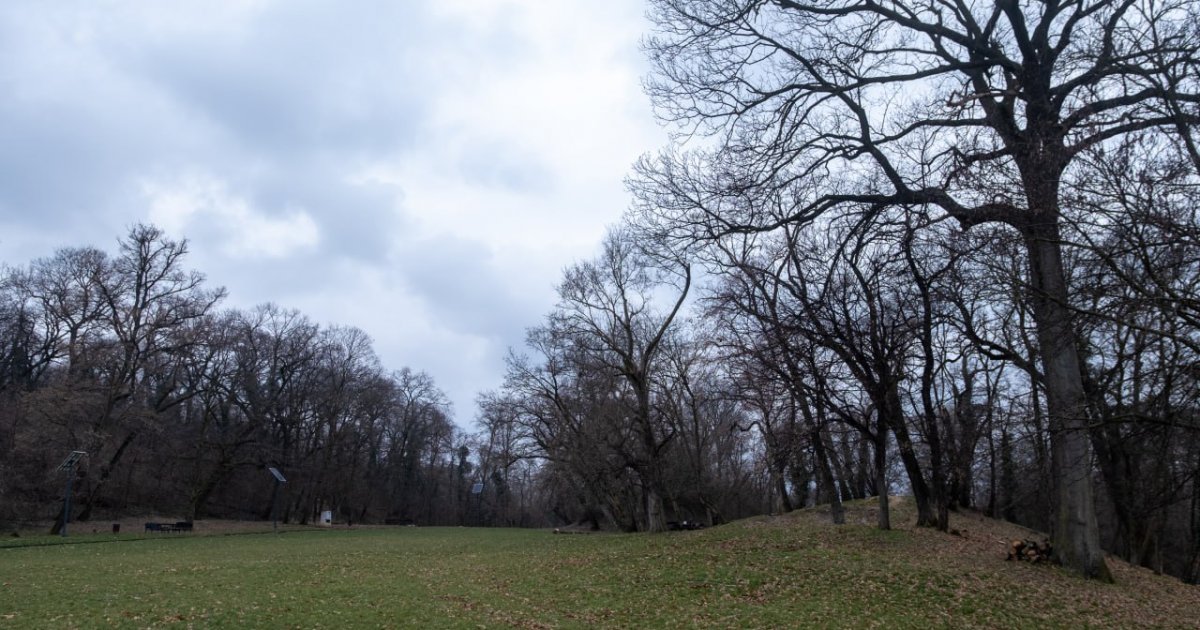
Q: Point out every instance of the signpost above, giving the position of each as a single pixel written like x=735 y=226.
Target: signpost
x=68 y=466
x=279 y=481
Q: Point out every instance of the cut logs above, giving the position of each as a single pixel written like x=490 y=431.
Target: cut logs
x=1030 y=551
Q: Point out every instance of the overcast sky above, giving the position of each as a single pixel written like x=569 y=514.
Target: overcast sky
x=420 y=169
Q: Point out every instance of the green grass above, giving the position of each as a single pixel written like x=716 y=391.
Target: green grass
x=792 y=572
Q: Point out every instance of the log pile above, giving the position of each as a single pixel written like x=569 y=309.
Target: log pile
x=1030 y=551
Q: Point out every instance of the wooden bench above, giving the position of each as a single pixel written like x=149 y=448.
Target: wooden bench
x=178 y=526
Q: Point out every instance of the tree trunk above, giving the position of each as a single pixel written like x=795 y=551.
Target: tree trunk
x=893 y=415
x=862 y=483
x=881 y=486
x=656 y=518
x=829 y=487
x=815 y=421
x=777 y=458
x=56 y=528
x=781 y=489
x=1076 y=534
x=105 y=473
x=202 y=491
x=1008 y=478
x=1193 y=571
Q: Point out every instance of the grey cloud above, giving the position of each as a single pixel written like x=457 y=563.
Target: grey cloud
x=61 y=159
x=495 y=165
x=459 y=280
x=356 y=221
x=296 y=100
x=281 y=90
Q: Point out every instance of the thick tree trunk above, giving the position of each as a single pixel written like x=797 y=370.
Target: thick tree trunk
x=203 y=491
x=912 y=466
x=816 y=421
x=828 y=486
x=1193 y=571
x=893 y=414
x=656 y=520
x=1076 y=534
x=56 y=528
x=650 y=469
x=992 y=501
x=850 y=474
x=654 y=513
x=800 y=477
x=962 y=482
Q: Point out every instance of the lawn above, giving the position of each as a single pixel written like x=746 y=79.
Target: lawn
x=790 y=571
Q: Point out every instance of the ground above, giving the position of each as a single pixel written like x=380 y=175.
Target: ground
x=794 y=570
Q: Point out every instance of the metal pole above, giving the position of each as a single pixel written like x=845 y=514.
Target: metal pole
x=275 y=509
x=67 y=501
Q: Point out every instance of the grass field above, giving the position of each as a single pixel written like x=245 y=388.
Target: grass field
x=789 y=571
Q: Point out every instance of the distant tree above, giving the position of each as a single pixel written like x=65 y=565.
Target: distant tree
x=609 y=304
x=418 y=435
x=182 y=408
x=568 y=411
x=706 y=471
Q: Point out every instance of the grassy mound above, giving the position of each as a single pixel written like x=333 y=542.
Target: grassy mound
x=795 y=570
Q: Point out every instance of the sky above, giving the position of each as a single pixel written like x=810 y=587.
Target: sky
x=420 y=169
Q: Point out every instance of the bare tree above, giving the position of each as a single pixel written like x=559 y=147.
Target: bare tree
x=151 y=303
x=610 y=305
x=182 y=408
x=977 y=111
x=569 y=412
x=758 y=309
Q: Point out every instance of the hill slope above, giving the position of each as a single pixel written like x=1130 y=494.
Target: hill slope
x=963 y=580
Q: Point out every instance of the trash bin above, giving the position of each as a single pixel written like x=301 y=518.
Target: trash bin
x=116 y=528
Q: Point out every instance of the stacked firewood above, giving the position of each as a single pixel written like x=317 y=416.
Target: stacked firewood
x=1029 y=551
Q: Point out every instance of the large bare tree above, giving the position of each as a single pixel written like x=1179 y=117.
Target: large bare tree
x=976 y=111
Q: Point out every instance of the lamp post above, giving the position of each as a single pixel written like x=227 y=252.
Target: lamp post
x=68 y=466
x=279 y=481
x=477 y=492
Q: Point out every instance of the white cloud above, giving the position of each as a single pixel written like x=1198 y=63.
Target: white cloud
x=557 y=118
x=196 y=202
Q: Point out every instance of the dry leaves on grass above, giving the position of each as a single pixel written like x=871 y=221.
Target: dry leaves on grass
x=975 y=560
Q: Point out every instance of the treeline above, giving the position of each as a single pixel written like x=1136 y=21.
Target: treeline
x=948 y=250
x=182 y=406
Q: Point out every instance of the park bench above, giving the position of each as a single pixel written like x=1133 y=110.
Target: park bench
x=178 y=526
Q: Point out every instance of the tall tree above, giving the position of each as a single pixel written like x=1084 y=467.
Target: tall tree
x=610 y=305
x=976 y=111
x=151 y=302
